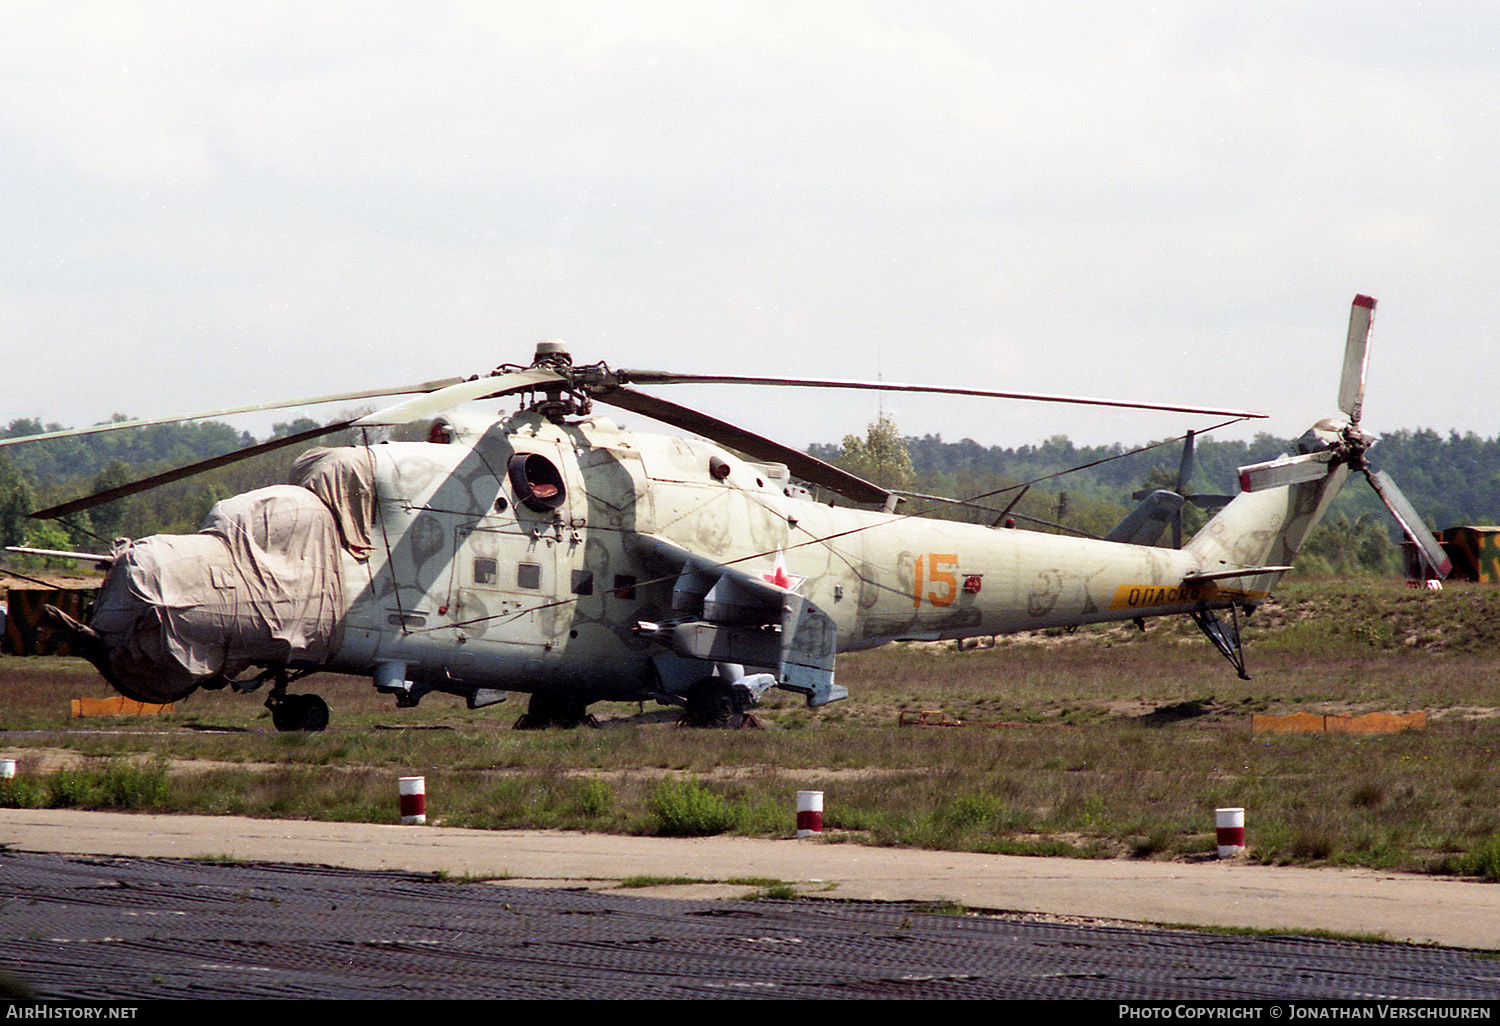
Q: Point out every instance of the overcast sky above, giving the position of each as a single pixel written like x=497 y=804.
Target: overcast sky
x=211 y=204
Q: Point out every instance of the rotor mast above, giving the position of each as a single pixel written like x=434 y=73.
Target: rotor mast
x=561 y=398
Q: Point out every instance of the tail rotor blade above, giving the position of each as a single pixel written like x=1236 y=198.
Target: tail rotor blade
x=1410 y=521
x=1288 y=470
x=1184 y=475
x=1356 y=356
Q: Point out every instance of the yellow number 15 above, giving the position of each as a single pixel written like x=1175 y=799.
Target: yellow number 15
x=940 y=573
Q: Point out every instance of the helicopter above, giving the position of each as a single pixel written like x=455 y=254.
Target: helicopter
x=551 y=552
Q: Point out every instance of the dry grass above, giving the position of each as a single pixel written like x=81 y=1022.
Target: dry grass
x=1100 y=743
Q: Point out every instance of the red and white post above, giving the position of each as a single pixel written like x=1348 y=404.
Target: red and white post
x=1230 y=827
x=413 y=792
x=809 y=813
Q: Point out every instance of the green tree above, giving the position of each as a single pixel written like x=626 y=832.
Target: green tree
x=880 y=456
x=16 y=500
x=1343 y=547
x=109 y=519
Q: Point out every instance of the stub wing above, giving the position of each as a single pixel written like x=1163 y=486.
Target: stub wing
x=722 y=614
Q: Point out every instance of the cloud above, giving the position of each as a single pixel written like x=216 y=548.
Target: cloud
x=1173 y=201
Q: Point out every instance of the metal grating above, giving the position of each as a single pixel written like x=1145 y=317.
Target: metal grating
x=123 y=929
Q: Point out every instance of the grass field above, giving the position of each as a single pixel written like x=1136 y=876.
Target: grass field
x=1101 y=743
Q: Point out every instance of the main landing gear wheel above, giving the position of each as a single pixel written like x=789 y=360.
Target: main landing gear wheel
x=307 y=713
x=714 y=703
x=545 y=711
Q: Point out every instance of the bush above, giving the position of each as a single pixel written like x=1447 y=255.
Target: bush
x=130 y=786
x=685 y=809
x=973 y=811
x=20 y=793
x=68 y=789
x=116 y=785
x=596 y=798
x=1482 y=861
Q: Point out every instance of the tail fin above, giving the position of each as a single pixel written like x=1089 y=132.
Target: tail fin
x=1265 y=528
x=1145 y=524
x=1162 y=508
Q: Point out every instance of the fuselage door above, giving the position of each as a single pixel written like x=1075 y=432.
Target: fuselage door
x=510 y=582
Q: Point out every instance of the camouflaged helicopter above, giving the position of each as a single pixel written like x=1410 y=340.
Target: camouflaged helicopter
x=552 y=553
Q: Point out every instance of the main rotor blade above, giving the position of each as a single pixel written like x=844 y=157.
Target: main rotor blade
x=147 y=483
x=175 y=418
x=1356 y=358
x=442 y=396
x=1410 y=520
x=444 y=399
x=650 y=377
x=808 y=468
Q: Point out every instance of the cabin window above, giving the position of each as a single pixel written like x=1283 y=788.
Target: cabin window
x=485 y=570
x=624 y=586
x=529 y=576
x=537 y=482
x=583 y=582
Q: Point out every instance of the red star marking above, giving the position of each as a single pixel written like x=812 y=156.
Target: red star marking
x=779 y=577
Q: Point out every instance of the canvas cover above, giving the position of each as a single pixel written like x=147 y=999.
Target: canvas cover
x=345 y=480
x=260 y=583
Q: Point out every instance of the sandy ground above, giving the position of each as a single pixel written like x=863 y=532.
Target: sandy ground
x=1231 y=893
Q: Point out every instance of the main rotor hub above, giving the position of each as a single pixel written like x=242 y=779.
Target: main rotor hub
x=564 y=398
x=552 y=353
x=1339 y=436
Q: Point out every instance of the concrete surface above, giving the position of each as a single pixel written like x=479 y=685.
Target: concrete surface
x=1348 y=901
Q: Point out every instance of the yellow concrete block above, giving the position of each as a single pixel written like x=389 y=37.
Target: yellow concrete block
x=117 y=706
x=1296 y=723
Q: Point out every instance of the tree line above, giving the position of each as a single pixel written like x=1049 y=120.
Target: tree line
x=1452 y=479
x=37 y=475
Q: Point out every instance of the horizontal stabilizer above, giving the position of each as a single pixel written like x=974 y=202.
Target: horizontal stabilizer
x=1224 y=575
